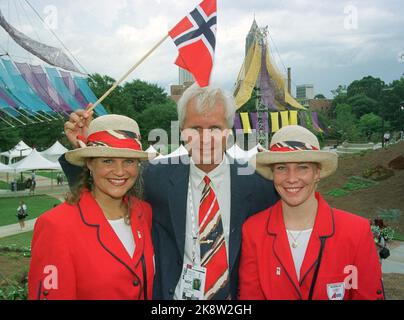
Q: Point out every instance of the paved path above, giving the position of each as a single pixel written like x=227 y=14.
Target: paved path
x=15 y=228
x=394 y=263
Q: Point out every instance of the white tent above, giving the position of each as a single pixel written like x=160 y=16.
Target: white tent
x=34 y=161
x=253 y=151
x=21 y=149
x=151 y=149
x=5 y=168
x=54 y=152
x=237 y=153
x=181 y=151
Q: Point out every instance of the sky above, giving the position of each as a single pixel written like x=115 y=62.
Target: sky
x=326 y=43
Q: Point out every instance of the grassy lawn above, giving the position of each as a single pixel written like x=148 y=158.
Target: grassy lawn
x=19 y=240
x=4 y=185
x=36 y=206
x=398 y=236
x=49 y=174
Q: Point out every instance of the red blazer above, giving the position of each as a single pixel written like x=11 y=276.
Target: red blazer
x=267 y=269
x=77 y=255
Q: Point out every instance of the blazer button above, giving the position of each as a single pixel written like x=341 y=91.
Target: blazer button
x=379 y=291
x=135 y=283
x=171 y=292
x=45 y=293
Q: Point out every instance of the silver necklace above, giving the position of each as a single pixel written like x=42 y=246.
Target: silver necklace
x=294 y=244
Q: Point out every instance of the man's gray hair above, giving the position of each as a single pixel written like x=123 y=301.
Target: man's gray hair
x=205 y=99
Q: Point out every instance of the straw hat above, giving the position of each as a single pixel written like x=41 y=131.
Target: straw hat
x=111 y=136
x=295 y=144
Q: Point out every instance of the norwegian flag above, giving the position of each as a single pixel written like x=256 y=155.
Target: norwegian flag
x=195 y=38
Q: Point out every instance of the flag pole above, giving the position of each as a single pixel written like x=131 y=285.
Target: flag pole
x=117 y=83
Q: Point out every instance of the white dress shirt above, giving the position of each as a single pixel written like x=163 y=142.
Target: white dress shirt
x=220 y=183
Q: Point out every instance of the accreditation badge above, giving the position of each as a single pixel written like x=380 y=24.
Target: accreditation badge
x=336 y=291
x=192 y=286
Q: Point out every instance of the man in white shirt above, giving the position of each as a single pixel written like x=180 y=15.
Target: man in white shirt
x=206 y=116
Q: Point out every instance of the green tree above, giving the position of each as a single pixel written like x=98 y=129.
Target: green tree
x=361 y=104
x=369 y=124
x=43 y=135
x=9 y=137
x=116 y=102
x=340 y=97
x=319 y=96
x=157 y=116
x=345 y=122
x=140 y=95
x=368 y=86
x=392 y=101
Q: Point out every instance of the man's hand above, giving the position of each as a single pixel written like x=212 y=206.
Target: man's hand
x=77 y=125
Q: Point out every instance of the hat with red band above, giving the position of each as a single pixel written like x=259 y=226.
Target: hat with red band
x=109 y=136
x=295 y=144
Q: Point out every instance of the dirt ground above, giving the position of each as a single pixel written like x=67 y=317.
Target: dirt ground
x=13 y=267
x=393 y=286
x=387 y=194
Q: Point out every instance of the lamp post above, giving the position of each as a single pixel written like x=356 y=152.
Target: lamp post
x=401 y=118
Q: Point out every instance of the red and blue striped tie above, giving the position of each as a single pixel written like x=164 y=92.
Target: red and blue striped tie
x=213 y=245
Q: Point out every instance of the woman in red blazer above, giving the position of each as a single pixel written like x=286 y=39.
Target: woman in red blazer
x=301 y=248
x=97 y=245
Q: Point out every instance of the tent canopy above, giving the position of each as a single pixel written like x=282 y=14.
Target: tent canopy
x=236 y=152
x=20 y=149
x=34 y=161
x=54 y=152
x=5 y=168
x=181 y=151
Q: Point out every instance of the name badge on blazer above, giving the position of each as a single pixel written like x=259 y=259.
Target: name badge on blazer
x=336 y=291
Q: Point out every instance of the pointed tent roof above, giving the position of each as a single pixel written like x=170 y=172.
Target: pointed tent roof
x=21 y=145
x=181 y=151
x=253 y=151
x=259 y=69
x=236 y=152
x=56 y=149
x=34 y=161
x=20 y=149
x=254 y=27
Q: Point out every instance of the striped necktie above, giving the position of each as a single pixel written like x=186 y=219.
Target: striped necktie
x=213 y=245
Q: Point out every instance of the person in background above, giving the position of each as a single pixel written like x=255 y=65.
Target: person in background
x=301 y=248
x=22 y=213
x=32 y=187
x=59 y=178
x=386 y=138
